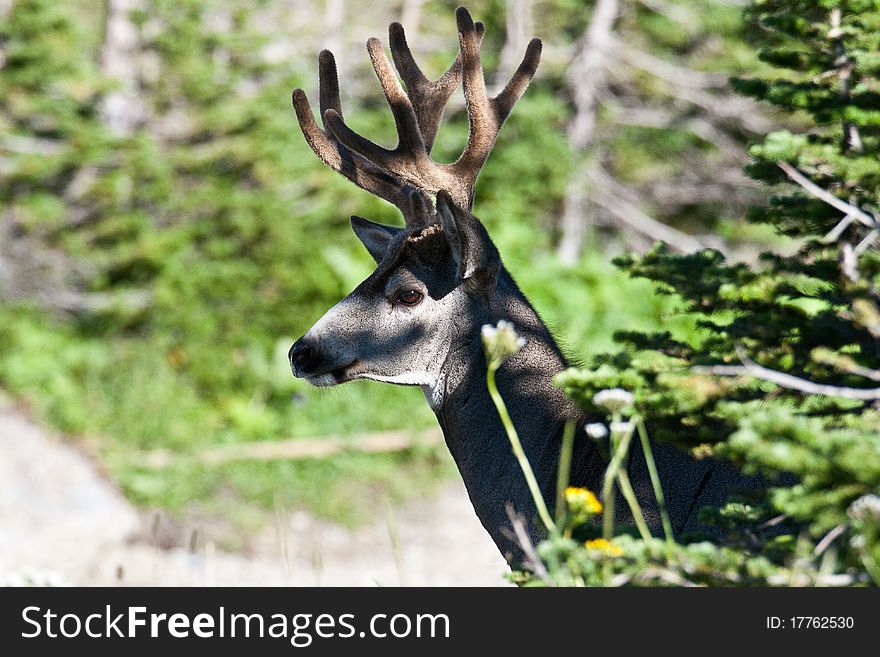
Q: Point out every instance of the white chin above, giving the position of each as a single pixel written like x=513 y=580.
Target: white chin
x=322 y=381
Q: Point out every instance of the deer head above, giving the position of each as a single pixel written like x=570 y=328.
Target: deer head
x=432 y=287
x=416 y=320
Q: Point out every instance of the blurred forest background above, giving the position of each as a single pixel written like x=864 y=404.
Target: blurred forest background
x=165 y=231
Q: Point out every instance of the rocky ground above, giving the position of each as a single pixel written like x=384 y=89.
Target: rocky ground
x=61 y=521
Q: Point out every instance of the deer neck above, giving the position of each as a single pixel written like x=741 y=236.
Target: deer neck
x=473 y=429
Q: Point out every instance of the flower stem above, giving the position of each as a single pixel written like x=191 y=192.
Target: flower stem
x=564 y=469
x=655 y=480
x=617 y=457
x=629 y=494
x=518 y=450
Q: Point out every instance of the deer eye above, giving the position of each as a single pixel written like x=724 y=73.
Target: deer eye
x=408 y=297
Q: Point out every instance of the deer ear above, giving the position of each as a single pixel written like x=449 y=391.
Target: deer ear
x=475 y=255
x=376 y=237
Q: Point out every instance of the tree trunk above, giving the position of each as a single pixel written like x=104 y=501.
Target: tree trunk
x=334 y=20
x=585 y=80
x=411 y=18
x=122 y=110
x=519 y=28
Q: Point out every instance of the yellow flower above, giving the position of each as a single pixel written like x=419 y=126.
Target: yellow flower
x=605 y=547
x=582 y=501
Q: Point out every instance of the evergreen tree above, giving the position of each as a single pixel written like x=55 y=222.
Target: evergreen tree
x=50 y=130
x=780 y=374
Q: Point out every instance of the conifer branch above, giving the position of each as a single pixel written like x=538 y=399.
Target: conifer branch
x=665 y=70
x=851 y=211
x=749 y=367
x=610 y=195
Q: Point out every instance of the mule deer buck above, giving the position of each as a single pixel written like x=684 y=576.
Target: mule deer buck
x=416 y=320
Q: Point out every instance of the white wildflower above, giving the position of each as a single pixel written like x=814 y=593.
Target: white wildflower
x=621 y=429
x=501 y=342
x=614 y=400
x=866 y=509
x=596 y=430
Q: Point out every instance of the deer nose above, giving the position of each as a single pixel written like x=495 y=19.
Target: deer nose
x=302 y=358
x=300 y=354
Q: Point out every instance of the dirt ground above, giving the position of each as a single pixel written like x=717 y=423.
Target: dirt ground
x=62 y=522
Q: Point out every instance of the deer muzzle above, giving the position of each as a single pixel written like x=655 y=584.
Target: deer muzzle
x=308 y=361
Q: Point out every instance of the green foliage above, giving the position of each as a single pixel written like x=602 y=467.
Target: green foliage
x=657 y=563
x=803 y=314
x=215 y=210
x=834 y=466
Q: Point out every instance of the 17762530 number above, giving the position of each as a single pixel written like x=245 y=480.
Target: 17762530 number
x=810 y=623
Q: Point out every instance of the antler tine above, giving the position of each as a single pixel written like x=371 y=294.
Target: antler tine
x=486 y=115
x=429 y=98
x=411 y=141
x=406 y=174
x=519 y=82
x=352 y=165
x=409 y=159
x=328 y=84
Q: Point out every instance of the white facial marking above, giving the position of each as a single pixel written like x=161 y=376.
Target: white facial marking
x=429 y=384
x=434 y=395
x=404 y=379
x=322 y=380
